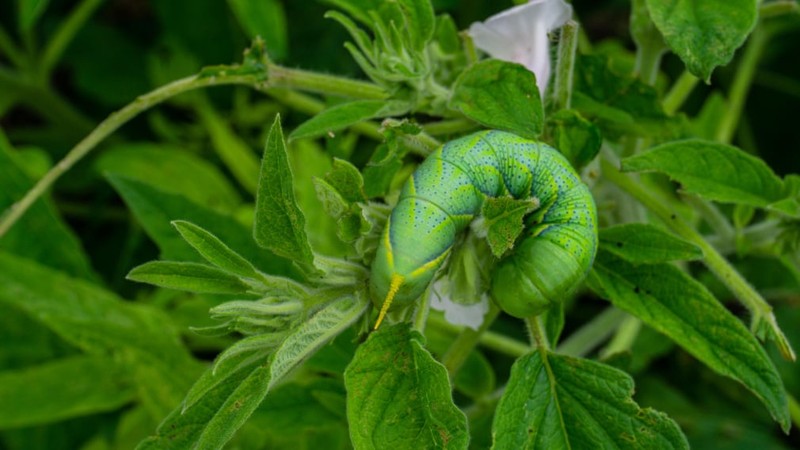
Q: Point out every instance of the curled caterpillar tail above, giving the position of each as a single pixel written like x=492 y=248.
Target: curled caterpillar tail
x=394 y=286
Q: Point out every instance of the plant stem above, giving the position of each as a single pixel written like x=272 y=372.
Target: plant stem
x=565 y=66
x=65 y=33
x=324 y=84
x=714 y=217
x=624 y=337
x=716 y=263
x=590 y=335
x=777 y=8
x=463 y=345
x=448 y=127
x=679 y=92
x=794 y=410
x=538 y=336
x=745 y=72
x=8 y=48
x=489 y=339
x=104 y=129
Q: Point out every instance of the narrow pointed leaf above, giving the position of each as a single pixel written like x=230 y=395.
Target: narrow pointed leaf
x=186 y=276
x=214 y=250
x=341 y=116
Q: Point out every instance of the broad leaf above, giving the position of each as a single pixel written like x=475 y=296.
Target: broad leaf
x=62 y=389
x=155 y=209
x=712 y=170
x=704 y=33
x=645 y=244
x=341 y=116
x=676 y=305
x=279 y=224
x=188 y=276
x=398 y=396
x=101 y=323
x=555 y=401
x=500 y=95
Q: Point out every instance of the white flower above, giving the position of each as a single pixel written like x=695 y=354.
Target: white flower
x=519 y=35
x=456 y=313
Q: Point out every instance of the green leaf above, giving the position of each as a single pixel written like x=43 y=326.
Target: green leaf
x=62 y=389
x=342 y=116
x=500 y=95
x=187 y=276
x=221 y=402
x=214 y=250
x=266 y=19
x=279 y=224
x=674 y=304
x=232 y=150
x=556 y=401
x=40 y=234
x=100 y=323
x=398 y=396
x=503 y=218
x=155 y=209
x=173 y=170
x=381 y=169
x=347 y=180
x=420 y=23
x=575 y=137
x=29 y=12
x=704 y=33
x=715 y=171
x=645 y=244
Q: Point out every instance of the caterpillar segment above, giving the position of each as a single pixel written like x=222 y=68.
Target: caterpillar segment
x=445 y=194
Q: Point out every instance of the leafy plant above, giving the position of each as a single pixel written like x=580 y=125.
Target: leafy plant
x=226 y=297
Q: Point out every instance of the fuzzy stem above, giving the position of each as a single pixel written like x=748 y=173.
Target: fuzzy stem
x=489 y=339
x=463 y=345
x=565 y=66
x=324 y=84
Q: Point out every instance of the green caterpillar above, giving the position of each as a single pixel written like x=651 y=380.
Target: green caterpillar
x=445 y=193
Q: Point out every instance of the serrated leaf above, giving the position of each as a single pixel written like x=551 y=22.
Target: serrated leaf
x=398 y=396
x=62 y=389
x=214 y=250
x=674 y=304
x=500 y=95
x=711 y=170
x=342 y=116
x=279 y=224
x=503 y=218
x=155 y=209
x=704 y=33
x=556 y=401
x=187 y=276
x=220 y=403
x=641 y=243
x=347 y=180
x=575 y=137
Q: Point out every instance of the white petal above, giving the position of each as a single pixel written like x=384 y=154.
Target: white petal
x=468 y=315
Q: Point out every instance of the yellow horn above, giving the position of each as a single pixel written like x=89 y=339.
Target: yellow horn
x=394 y=286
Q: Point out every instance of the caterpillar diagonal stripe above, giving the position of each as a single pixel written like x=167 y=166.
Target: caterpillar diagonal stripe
x=446 y=192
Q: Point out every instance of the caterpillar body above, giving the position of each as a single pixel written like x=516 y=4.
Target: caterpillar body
x=445 y=194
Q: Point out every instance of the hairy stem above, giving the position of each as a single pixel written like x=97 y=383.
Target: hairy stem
x=593 y=333
x=459 y=350
x=324 y=84
x=538 y=335
x=565 y=66
x=745 y=72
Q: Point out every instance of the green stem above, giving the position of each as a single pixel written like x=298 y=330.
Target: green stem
x=536 y=329
x=777 y=8
x=794 y=410
x=104 y=129
x=759 y=308
x=745 y=72
x=624 y=337
x=8 y=48
x=463 y=345
x=565 y=66
x=714 y=217
x=679 y=92
x=593 y=333
x=65 y=33
x=648 y=61
x=489 y=339
x=324 y=84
